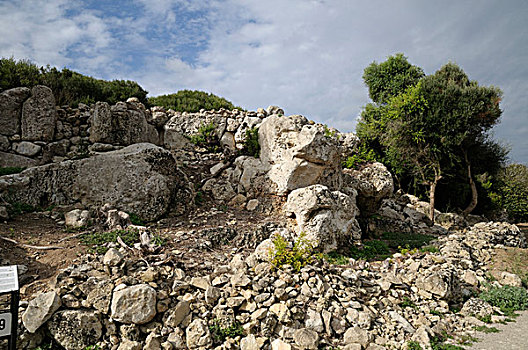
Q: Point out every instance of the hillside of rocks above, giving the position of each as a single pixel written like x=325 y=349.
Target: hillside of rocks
x=99 y=166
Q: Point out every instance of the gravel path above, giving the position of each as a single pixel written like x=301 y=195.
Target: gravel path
x=512 y=336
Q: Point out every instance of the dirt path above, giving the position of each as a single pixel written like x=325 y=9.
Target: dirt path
x=512 y=336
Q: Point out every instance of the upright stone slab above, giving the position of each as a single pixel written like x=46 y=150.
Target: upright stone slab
x=39 y=115
x=11 y=109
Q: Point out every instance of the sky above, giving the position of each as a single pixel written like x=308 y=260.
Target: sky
x=306 y=56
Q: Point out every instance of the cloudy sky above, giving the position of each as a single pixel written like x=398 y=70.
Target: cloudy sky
x=306 y=56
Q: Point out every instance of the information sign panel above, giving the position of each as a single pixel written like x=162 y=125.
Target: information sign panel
x=5 y=324
x=8 y=279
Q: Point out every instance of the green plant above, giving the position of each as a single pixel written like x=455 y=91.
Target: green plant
x=92 y=347
x=486 y=329
x=507 y=298
x=407 y=302
x=437 y=343
x=220 y=333
x=206 y=138
x=408 y=240
x=336 y=258
x=136 y=220
x=191 y=101
x=97 y=240
x=159 y=240
x=374 y=249
x=436 y=313
x=10 y=170
x=251 y=146
x=363 y=155
x=298 y=256
x=429 y=249
x=414 y=345
x=17 y=208
x=485 y=319
x=198 y=198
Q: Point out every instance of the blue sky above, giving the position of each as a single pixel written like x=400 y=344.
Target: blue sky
x=306 y=56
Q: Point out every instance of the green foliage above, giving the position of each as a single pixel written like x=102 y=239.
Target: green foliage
x=297 y=256
x=370 y=250
x=510 y=191
x=485 y=319
x=191 y=101
x=336 y=258
x=69 y=87
x=159 y=241
x=389 y=78
x=507 y=298
x=363 y=155
x=10 y=170
x=414 y=345
x=198 y=198
x=486 y=329
x=429 y=249
x=409 y=240
x=251 y=146
x=17 y=208
x=136 y=220
x=206 y=138
x=407 y=302
x=220 y=334
x=437 y=343
x=97 y=240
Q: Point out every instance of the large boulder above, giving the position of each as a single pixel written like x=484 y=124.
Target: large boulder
x=373 y=182
x=328 y=218
x=299 y=154
x=40 y=310
x=39 y=115
x=11 y=109
x=134 y=304
x=124 y=123
x=75 y=329
x=142 y=179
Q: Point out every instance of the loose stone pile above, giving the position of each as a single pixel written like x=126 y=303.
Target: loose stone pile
x=121 y=302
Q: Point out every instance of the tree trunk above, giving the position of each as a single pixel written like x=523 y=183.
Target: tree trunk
x=474 y=193
x=432 y=191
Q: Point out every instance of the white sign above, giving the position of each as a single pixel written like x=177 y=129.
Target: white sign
x=8 y=279
x=5 y=324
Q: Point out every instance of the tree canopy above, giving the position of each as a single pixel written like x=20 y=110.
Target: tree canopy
x=191 y=101
x=69 y=87
x=432 y=129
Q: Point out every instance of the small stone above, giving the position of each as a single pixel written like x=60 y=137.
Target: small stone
x=176 y=315
x=40 y=310
x=77 y=218
x=198 y=335
x=252 y=204
x=278 y=344
x=306 y=338
x=112 y=257
x=200 y=282
x=135 y=304
x=356 y=335
x=249 y=343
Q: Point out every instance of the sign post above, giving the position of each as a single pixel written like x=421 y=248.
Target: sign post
x=9 y=318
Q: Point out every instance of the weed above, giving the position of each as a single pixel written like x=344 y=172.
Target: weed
x=409 y=240
x=407 y=302
x=429 y=249
x=335 y=258
x=329 y=133
x=437 y=343
x=375 y=249
x=507 y=298
x=10 y=170
x=17 y=208
x=298 y=256
x=159 y=240
x=220 y=334
x=198 y=198
x=485 y=319
x=486 y=329
x=466 y=339
x=98 y=240
x=436 y=313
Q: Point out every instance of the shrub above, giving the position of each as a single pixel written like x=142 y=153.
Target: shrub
x=251 y=146
x=507 y=298
x=136 y=220
x=206 y=138
x=363 y=155
x=375 y=249
x=298 y=256
x=191 y=101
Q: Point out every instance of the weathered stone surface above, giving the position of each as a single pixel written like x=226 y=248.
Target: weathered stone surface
x=124 y=123
x=141 y=179
x=176 y=315
x=98 y=293
x=15 y=160
x=373 y=182
x=509 y=279
x=75 y=329
x=77 y=218
x=327 y=218
x=40 y=310
x=278 y=344
x=112 y=257
x=249 y=343
x=198 y=335
x=26 y=148
x=306 y=338
x=476 y=307
x=299 y=154
x=130 y=345
x=38 y=115
x=356 y=335
x=11 y=109
x=436 y=282
x=134 y=304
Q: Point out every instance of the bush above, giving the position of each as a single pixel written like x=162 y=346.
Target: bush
x=251 y=146
x=69 y=87
x=98 y=240
x=191 y=101
x=507 y=298
x=206 y=138
x=363 y=155
x=298 y=256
